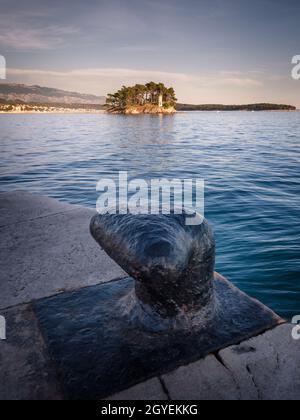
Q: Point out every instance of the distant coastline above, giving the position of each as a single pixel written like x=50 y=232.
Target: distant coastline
x=39 y=108
x=250 y=107
x=28 y=108
x=152 y=98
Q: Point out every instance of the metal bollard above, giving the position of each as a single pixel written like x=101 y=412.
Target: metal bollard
x=172 y=264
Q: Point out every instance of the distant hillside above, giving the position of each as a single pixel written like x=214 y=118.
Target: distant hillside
x=17 y=93
x=251 y=107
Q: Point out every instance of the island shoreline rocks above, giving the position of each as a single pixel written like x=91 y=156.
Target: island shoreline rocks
x=142 y=109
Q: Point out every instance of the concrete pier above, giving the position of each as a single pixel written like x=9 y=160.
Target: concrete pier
x=44 y=252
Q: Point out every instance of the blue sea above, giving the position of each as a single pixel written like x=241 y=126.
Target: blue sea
x=250 y=163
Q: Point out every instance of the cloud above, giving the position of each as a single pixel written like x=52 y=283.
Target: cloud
x=134 y=76
x=238 y=81
x=47 y=38
x=31 y=30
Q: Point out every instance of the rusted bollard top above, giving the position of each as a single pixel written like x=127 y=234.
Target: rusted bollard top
x=172 y=264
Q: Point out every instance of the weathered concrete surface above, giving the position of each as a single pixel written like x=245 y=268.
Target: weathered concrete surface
x=206 y=379
x=26 y=372
x=151 y=390
x=46 y=249
x=21 y=206
x=266 y=367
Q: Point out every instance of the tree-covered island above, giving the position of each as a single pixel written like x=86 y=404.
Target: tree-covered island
x=151 y=98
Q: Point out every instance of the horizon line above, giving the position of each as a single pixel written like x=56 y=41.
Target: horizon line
x=178 y=102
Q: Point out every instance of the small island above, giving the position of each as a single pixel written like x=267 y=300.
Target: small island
x=151 y=98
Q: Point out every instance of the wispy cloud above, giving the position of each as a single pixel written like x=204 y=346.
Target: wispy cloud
x=238 y=81
x=32 y=30
x=133 y=75
x=47 y=38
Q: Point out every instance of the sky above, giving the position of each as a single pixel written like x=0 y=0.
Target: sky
x=210 y=51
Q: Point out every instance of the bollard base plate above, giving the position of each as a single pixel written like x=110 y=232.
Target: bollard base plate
x=98 y=352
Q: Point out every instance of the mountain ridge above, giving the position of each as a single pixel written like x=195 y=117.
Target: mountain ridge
x=15 y=92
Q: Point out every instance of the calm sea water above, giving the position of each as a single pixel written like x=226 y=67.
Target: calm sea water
x=250 y=162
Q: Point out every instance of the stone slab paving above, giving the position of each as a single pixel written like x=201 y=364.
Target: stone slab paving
x=21 y=206
x=151 y=390
x=204 y=380
x=45 y=249
x=266 y=367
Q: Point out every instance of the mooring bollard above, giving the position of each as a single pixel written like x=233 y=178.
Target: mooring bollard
x=172 y=264
x=171 y=311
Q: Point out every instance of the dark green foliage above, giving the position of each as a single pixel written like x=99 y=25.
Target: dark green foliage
x=142 y=95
